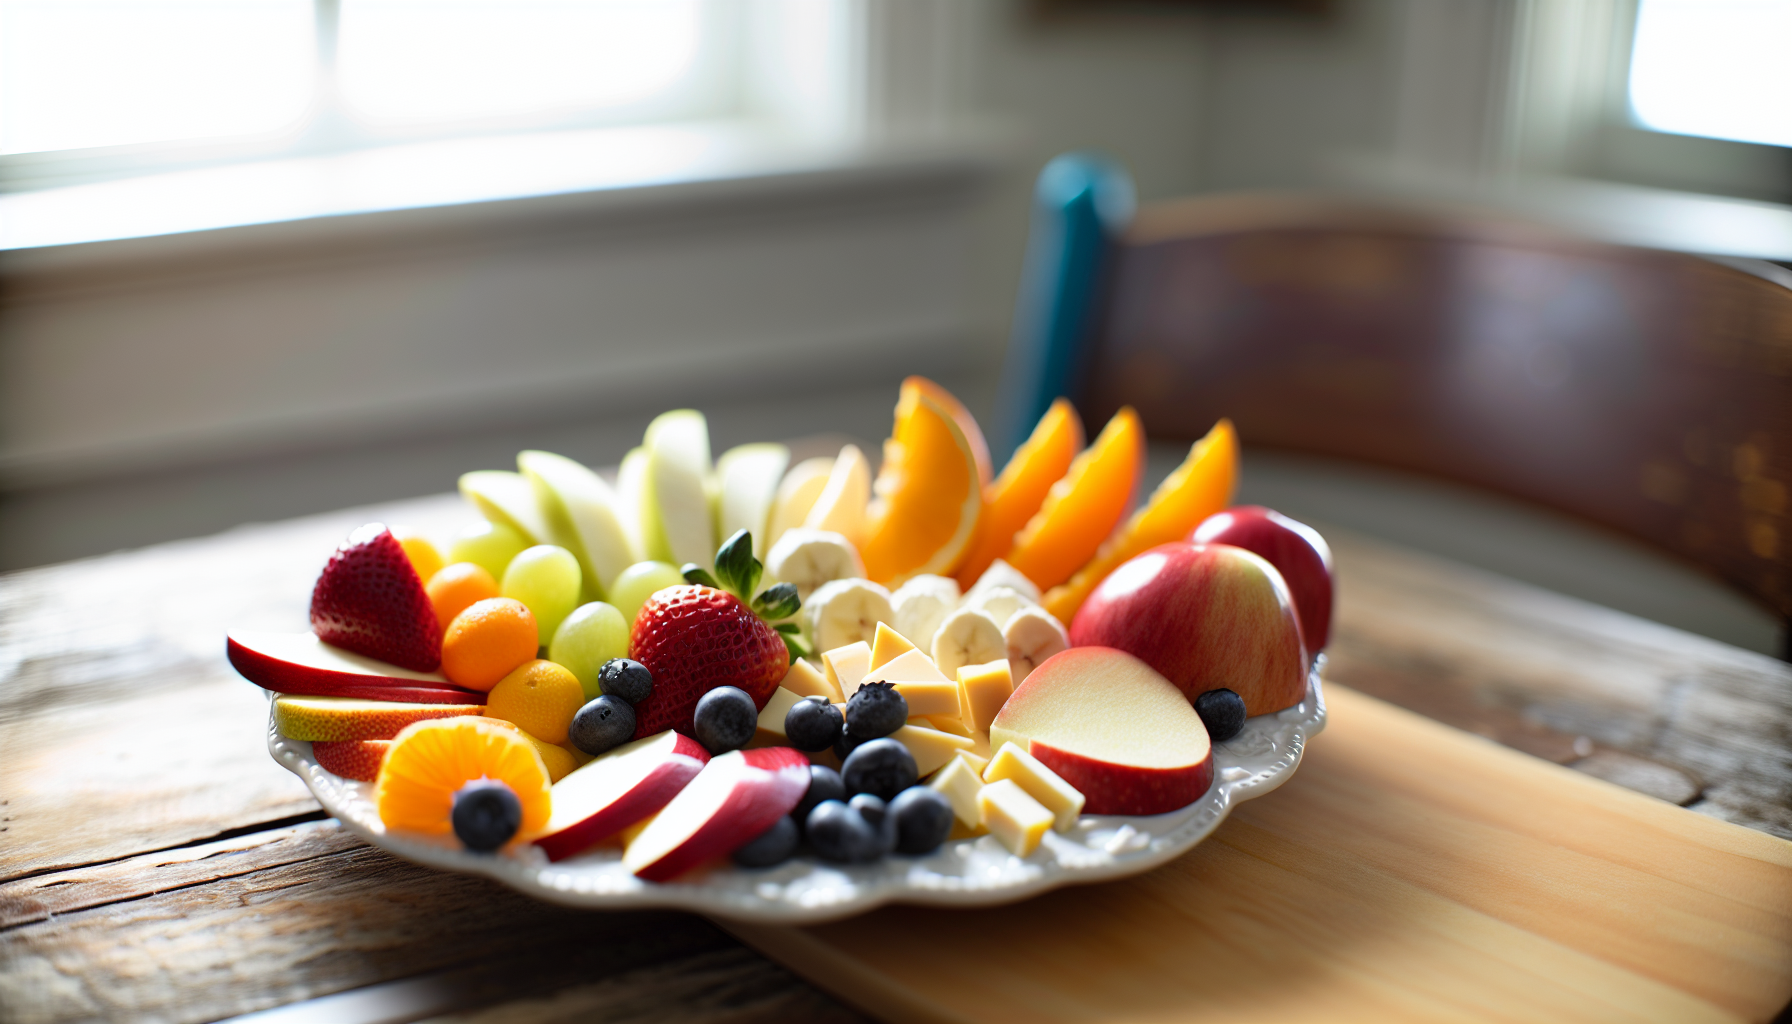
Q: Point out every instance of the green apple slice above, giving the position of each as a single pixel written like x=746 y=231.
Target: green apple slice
x=676 y=522
x=747 y=478
x=507 y=498
x=631 y=487
x=581 y=513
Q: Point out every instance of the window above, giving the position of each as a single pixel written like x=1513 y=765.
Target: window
x=1721 y=69
x=96 y=88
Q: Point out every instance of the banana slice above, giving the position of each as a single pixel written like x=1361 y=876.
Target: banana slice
x=1032 y=635
x=845 y=612
x=921 y=605
x=1001 y=574
x=1000 y=603
x=809 y=558
x=967 y=637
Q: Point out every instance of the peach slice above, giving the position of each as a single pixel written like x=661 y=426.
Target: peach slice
x=1017 y=494
x=1084 y=507
x=1198 y=488
x=929 y=498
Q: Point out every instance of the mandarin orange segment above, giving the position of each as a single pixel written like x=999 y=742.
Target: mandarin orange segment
x=455 y=587
x=486 y=640
x=1017 y=494
x=1201 y=486
x=539 y=697
x=929 y=497
x=430 y=761
x=1083 y=508
x=966 y=422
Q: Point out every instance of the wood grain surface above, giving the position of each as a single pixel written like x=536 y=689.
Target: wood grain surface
x=1406 y=872
x=156 y=865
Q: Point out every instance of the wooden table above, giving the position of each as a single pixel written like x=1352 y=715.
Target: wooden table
x=155 y=864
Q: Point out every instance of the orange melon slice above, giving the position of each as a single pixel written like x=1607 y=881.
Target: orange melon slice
x=929 y=497
x=1083 y=508
x=1012 y=499
x=1201 y=486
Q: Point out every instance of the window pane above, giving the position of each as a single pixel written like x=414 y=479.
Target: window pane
x=80 y=73
x=1717 y=68
x=423 y=60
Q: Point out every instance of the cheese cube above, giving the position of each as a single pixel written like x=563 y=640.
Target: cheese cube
x=1040 y=782
x=770 y=731
x=948 y=723
x=982 y=690
x=1016 y=819
x=977 y=761
x=907 y=667
x=805 y=680
x=887 y=645
x=931 y=747
x=960 y=786
x=925 y=699
x=845 y=667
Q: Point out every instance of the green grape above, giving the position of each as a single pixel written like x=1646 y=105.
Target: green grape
x=593 y=634
x=635 y=584
x=490 y=546
x=547 y=579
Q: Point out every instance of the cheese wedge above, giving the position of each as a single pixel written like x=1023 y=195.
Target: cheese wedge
x=1017 y=820
x=982 y=690
x=845 y=667
x=770 y=731
x=932 y=748
x=805 y=681
x=907 y=667
x=960 y=786
x=945 y=723
x=1040 y=782
x=928 y=699
x=977 y=761
x=887 y=645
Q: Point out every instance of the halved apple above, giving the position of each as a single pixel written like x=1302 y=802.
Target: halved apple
x=618 y=789
x=737 y=796
x=1111 y=726
x=301 y=663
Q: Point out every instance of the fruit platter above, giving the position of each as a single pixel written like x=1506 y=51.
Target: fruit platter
x=790 y=693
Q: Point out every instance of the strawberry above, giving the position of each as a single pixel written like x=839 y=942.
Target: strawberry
x=369 y=600
x=697 y=637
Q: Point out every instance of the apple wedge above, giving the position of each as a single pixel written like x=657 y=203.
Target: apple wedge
x=676 y=525
x=747 y=478
x=505 y=497
x=313 y=719
x=1111 y=726
x=300 y=663
x=583 y=516
x=732 y=800
x=618 y=789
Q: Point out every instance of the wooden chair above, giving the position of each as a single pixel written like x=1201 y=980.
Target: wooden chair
x=1646 y=391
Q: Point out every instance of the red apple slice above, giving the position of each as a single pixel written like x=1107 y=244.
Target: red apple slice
x=732 y=800
x=618 y=789
x=351 y=759
x=1114 y=728
x=300 y=663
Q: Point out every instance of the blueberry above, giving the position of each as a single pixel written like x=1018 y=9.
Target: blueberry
x=839 y=833
x=876 y=709
x=725 y=719
x=824 y=784
x=625 y=678
x=486 y=814
x=923 y=819
x=845 y=745
x=812 y=724
x=876 y=814
x=1222 y=712
x=880 y=767
x=601 y=724
x=772 y=847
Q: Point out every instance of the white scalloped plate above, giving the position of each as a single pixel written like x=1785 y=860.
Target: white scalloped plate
x=961 y=873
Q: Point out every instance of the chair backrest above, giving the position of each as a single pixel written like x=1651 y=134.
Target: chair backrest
x=1647 y=391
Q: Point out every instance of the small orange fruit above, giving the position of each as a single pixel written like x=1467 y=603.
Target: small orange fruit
x=486 y=640
x=929 y=497
x=456 y=586
x=430 y=761
x=540 y=697
x=558 y=760
x=425 y=558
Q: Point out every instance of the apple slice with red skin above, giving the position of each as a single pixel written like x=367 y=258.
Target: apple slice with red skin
x=351 y=759
x=737 y=796
x=607 y=795
x=1297 y=551
x=1112 y=727
x=1206 y=616
x=300 y=663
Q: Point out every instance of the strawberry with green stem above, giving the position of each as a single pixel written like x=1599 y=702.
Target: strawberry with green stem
x=709 y=633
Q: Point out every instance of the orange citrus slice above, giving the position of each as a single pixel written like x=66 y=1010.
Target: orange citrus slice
x=966 y=422
x=1085 y=506
x=1201 y=486
x=430 y=761
x=1013 y=497
x=929 y=497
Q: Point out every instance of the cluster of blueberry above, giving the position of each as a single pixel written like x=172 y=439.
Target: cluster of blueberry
x=872 y=805
x=609 y=720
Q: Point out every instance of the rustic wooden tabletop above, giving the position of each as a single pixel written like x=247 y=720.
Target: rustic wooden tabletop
x=155 y=864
